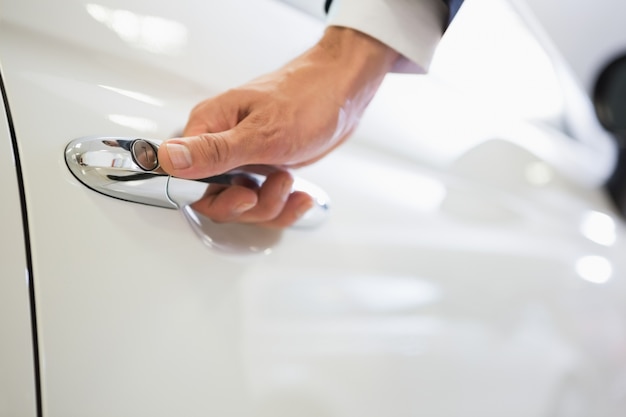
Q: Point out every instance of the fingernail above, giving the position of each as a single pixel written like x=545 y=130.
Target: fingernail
x=179 y=155
x=303 y=208
x=243 y=207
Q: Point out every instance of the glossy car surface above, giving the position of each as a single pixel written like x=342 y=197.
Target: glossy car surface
x=465 y=269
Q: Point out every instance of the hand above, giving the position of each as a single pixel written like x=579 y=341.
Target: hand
x=272 y=205
x=288 y=118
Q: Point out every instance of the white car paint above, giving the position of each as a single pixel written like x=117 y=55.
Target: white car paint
x=17 y=376
x=491 y=286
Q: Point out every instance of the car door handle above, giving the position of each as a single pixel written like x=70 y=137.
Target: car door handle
x=128 y=169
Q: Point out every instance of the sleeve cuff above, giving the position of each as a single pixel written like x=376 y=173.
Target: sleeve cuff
x=412 y=27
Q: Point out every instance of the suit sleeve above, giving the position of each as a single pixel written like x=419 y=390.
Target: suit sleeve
x=411 y=27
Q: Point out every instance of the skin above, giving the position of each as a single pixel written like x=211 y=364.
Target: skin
x=288 y=118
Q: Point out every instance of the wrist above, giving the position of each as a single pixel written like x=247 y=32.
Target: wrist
x=360 y=61
x=346 y=44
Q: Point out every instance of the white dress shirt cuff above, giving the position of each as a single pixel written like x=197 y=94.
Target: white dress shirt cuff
x=411 y=27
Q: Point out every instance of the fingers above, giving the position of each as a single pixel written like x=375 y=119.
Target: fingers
x=212 y=142
x=200 y=156
x=271 y=205
x=296 y=206
x=225 y=204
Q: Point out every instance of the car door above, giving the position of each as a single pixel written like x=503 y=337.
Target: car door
x=18 y=384
x=423 y=285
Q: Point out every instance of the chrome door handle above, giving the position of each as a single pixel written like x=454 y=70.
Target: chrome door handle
x=128 y=169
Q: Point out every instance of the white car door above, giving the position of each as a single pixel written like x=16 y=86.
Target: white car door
x=427 y=291
x=18 y=383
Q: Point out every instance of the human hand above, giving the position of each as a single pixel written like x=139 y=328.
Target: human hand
x=288 y=118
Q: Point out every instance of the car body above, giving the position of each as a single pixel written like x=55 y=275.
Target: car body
x=485 y=279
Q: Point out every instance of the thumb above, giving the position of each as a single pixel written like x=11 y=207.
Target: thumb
x=202 y=156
